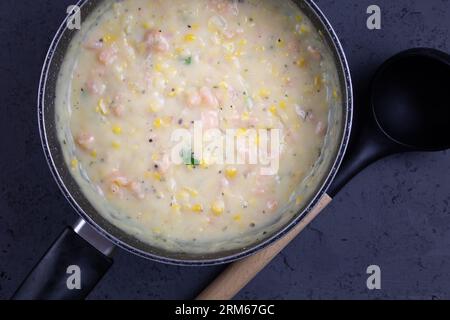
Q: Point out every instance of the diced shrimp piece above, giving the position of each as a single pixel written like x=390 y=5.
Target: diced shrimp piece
x=208 y=97
x=193 y=99
x=117 y=107
x=136 y=190
x=85 y=141
x=117 y=178
x=210 y=119
x=108 y=55
x=156 y=41
x=272 y=205
x=320 y=128
x=95 y=87
x=315 y=53
x=293 y=47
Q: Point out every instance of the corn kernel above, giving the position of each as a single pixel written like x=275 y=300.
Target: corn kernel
x=335 y=93
x=155 y=157
x=147 y=25
x=217 y=208
x=116 y=145
x=94 y=154
x=242 y=42
x=183 y=195
x=273 y=110
x=157 y=176
x=223 y=85
x=237 y=217
x=304 y=29
x=203 y=164
x=117 y=130
x=191 y=191
x=74 y=163
x=190 y=37
x=282 y=104
x=101 y=107
x=197 y=207
x=108 y=39
x=318 y=80
x=264 y=93
x=241 y=132
x=195 y=26
x=157 y=123
x=298 y=200
x=299 y=18
x=301 y=62
x=176 y=207
x=231 y=173
x=245 y=116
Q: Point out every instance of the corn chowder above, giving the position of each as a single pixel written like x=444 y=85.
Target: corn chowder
x=145 y=68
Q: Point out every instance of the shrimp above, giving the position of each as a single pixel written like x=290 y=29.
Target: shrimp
x=315 y=53
x=208 y=97
x=95 y=87
x=156 y=41
x=272 y=205
x=193 y=99
x=118 y=184
x=85 y=141
x=108 y=55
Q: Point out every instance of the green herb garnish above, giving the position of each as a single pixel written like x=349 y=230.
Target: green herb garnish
x=188 y=61
x=189 y=158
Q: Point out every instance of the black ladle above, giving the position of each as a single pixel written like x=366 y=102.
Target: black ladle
x=409 y=111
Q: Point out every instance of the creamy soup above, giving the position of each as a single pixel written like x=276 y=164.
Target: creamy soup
x=143 y=70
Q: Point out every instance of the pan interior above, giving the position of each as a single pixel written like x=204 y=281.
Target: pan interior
x=59 y=146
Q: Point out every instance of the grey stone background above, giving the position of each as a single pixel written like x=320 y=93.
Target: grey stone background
x=395 y=214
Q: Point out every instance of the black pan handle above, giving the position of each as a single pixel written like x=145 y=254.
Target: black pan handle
x=69 y=270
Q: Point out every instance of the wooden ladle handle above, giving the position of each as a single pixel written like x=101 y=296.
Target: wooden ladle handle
x=240 y=273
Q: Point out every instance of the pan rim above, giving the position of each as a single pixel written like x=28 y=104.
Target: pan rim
x=347 y=106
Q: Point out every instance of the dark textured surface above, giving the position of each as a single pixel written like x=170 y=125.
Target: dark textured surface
x=395 y=214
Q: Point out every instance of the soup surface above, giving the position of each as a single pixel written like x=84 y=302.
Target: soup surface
x=146 y=73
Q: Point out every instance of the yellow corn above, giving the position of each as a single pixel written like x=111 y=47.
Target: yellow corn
x=191 y=191
x=231 y=173
x=301 y=62
x=94 y=154
x=116 y=145
x=74 y=163
x=245 y=116
x=282 y=104
x=190 y=37
x=237 y=217
x=197 y=207
x=157 y=176
x=117 y=130
x=217 y=208
x=298 y=200
x=158 y=122
x=109 y=38
x=273 y=110
x=264 y=93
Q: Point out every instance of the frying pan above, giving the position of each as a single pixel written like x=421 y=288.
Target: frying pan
x=89 y=244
